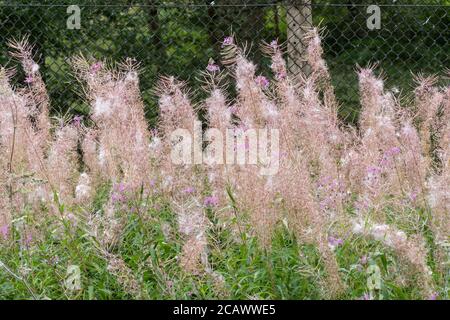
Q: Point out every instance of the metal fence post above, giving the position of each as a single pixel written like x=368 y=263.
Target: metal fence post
x=299 y=21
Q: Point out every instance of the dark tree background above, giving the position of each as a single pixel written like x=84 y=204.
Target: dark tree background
x=179 y=37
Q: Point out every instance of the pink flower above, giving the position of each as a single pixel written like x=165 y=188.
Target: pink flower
x=274 y=44
x=77 y=120
x=434 y=296
x=4 y=231
x=366 y=296
x=280 y=75
x=334 y=242
x=373 y=170
x=262 y=81
x=228 y=41
x=395 y=150
x=28 y=238
x=233 y=109
x=363 y=260
x=120 y=187
x=413 y=196
x=362 y=204
x=212 y=67
x=211 y=201
x=29 y=79
x=72 y=218
x=118 y=195
x=96 y=67
x=189 y=190
x=392 y=151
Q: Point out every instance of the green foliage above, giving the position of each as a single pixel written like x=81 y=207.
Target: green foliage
x=150 y=246
x=179 y=40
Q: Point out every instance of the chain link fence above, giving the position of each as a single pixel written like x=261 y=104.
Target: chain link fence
x=179 y=37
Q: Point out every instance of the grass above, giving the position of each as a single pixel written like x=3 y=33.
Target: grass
x=150 y=245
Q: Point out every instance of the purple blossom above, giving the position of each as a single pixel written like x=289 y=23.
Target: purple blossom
x=212 y=67
x=413 y=196
x=366 y=296
x=118 y=194
x=335 y=242
x=384 y=162
x=77 y=120
x=189 y=190
x=96 y=67
x=324 y=180
x=72 y=218
x=29 y=79
x=28 y=238
x=362 y=204
x=324 y=204
x=434 y=296
x=4 y=231
x=120 y=187
x=373 y=170
x=233 y=109
x=211 y=201
x=262 y=81
x=393 y=151
x=228 y=41
x=274 y=44
x=280 y=75
x=389 y=154
x=363 y=260
x=117 y=198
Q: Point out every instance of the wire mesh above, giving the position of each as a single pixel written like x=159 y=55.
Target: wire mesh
x=178 y=38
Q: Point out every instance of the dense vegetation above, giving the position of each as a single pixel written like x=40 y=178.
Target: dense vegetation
x=180 y=38
x=96 y=208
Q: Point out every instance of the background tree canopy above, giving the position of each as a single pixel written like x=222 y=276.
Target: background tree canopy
x=179 y=37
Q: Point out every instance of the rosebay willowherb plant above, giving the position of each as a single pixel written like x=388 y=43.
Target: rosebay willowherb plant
x=385 y=182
